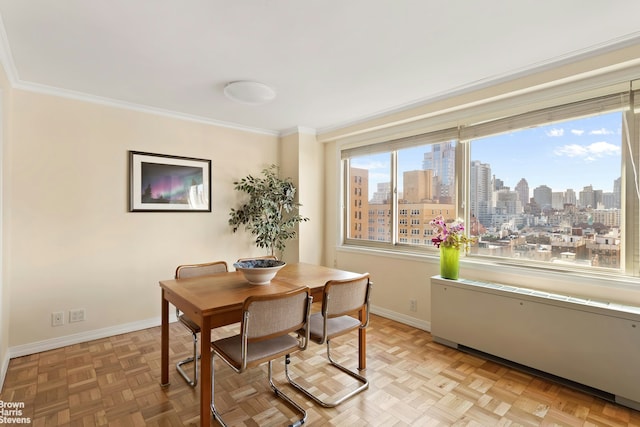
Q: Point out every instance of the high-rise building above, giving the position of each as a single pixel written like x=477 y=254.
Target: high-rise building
x=382 y=194
x=481 y=192
x=570 y=197
x=507 y=203
x=412 y=224
x=557 y=200
x=442 y=161
x=617 y=193
x=587 y=197
x=359 y=190
x=417 y=186
x=542 y=196
x=522 y=188
x=609 y=200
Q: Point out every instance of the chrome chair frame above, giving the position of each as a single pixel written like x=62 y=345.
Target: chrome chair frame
x=182 y=272
x=335 y=319
x=265 y=336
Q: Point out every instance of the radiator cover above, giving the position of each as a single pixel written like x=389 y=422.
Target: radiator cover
x=594 y=343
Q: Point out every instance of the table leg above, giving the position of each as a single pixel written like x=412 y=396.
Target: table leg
x=164 y=346
x=362 y=343
x=205 y=373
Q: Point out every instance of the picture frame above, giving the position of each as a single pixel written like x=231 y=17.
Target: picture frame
x=165 y=183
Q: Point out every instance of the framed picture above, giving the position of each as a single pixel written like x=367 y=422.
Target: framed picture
x=162 y=183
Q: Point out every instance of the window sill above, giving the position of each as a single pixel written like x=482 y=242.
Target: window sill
x=483 y=266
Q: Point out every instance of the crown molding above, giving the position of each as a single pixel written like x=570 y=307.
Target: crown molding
x=6 y=58
x=298 y=130
x=79 y=96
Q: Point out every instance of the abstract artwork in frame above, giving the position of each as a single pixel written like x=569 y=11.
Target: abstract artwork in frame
x=163 y=183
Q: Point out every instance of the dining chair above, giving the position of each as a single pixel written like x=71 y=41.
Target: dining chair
x=341 y=301
x=183 y=272
x=270 y=328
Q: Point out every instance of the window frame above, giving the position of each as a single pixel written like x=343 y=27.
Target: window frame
x=616 y=97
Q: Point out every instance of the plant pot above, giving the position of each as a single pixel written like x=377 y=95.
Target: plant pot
x=449 y=262
x=259 y=271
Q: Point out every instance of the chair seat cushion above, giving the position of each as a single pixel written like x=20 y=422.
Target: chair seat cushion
x=189 y=324
x=335 y=326
x=230 y=349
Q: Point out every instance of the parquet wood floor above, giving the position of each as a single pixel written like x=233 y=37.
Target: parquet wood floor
x=414 y=382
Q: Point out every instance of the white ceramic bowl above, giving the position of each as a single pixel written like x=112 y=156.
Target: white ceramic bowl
x=259 y=271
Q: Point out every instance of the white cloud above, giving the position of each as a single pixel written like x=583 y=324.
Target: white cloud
x=601 y=131
x=577 y=131
x=555 y=132
x=604 y=148
x=589 y=153
x=571 y=150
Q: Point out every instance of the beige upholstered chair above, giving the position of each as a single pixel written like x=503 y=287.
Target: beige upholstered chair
x=183 y=272
x=341 y=300
x=270 y=328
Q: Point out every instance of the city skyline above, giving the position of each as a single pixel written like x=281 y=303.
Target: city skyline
x=586 y=152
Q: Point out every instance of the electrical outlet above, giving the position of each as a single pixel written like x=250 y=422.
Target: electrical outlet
x=57 y=318
x=76 y=315
x=413 y=305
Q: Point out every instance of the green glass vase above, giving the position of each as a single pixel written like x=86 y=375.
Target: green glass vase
x=449 y=262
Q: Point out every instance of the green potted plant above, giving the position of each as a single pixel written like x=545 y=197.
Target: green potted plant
x=271 y=213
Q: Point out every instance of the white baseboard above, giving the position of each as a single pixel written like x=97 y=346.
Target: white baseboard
x=53 y=343
x=3 y=369
x=407 y=320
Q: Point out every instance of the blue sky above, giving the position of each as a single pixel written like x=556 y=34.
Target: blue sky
x=571 y=154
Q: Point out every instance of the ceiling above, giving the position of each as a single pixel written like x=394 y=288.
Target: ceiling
x=331 y=62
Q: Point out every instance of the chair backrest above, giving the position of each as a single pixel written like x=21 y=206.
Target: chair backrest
x=196 y=270
x=347 y=296
x=271 y=316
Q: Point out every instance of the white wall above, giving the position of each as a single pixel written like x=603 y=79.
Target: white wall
x=302 y=159
x=5 y=96
x=72 y=242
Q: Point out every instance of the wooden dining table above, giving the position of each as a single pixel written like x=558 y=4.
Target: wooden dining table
x=216 y=300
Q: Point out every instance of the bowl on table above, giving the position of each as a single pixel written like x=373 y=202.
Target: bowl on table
x=259 y=271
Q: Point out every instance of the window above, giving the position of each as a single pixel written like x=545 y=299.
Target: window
x=553 y=186
x=402 y=186
x=550 y=193
x=370 y=181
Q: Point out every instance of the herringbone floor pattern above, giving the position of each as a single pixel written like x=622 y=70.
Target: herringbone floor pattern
x=414 y=382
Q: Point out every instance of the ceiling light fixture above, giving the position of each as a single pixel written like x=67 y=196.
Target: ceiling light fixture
x=247 y=92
